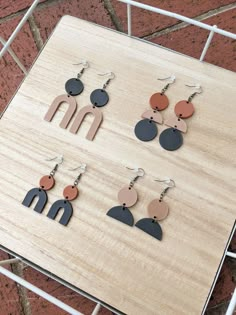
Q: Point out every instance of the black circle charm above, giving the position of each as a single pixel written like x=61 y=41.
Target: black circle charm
x=171 y=139
x=74 y=86
x=99 y=97
x=145 y=130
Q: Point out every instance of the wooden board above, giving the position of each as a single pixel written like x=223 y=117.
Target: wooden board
x=120 y=265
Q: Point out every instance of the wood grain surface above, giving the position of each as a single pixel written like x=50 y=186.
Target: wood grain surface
x=120 y=265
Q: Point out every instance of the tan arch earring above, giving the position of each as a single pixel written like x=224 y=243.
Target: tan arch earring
x=98 y=98
x=73 y=87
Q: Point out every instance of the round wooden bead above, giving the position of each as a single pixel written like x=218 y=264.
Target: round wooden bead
x=70 y=192
x=47 y=182
x=184 y=109
x=158 y=209
x=127 y=196
x=159 y=101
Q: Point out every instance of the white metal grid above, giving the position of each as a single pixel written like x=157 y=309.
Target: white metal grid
x=6 y=47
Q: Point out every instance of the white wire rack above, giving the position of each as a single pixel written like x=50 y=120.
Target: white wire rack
x=6 y=48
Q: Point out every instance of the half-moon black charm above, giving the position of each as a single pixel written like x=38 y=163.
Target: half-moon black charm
x=151 y=227
x=146 y=130
x=58 y=205
x=74 y=86
x=99 y=97
x=121 y=214
x=171 y=139
x=42 y=199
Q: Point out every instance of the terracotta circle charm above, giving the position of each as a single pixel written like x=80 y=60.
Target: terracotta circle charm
x=184 y=109
x=159 y=101
x=127 y=196
x=158 y=209
x=70 y=192
x=47 y=182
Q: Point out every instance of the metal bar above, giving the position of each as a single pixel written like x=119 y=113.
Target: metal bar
x=38 y=291
x=18 y=28
x=96 y=309
x=208 y=42
x=180 y=17
x=129 y=20
x=230 y=254
x=9 y=261
x=232 y=304
x=14 y=56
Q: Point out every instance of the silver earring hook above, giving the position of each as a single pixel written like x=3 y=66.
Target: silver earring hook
x=112 y=77
x=61 y=160
x=139 y=173
x=170 y=184
x=85 y=66
x=172 y=80
x=196 y=86
x=82 y=167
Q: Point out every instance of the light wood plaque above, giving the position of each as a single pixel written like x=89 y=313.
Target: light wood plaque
x=120 y=265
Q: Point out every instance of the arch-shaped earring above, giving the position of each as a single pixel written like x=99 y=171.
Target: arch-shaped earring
x=46 y=183
x=98 y=98
x=158 y=210
x=73 y=87
x=146 y=129
x=127 y=197
x=70 y=193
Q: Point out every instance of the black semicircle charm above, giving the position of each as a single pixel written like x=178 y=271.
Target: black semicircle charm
x=121 y=214
x=99 y=97
x=58 y=205
x=74 y=86
x=150 y=227
x=36 y=193
x=171 y=139
x=146 y=130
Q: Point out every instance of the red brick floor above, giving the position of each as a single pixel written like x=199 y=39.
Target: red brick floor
x=162 y=30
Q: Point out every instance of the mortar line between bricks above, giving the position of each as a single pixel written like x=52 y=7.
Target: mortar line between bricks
x=111 y=11
x=23 y=297
x=182 y=25
x=35 y=33
x=23 y=11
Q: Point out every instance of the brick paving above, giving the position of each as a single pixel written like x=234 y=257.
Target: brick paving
x=162 y=30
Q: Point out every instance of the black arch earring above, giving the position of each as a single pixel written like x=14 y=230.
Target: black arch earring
x=70 y=193
x=158 y=210
x=73 y=87
x=127 y=197
x=98 y=98
x=46 y=183
x=146 y=129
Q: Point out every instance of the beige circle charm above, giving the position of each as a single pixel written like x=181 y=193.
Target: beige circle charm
x=158 y=209
x=47 y=182
x=127 y=196
x=70 y=192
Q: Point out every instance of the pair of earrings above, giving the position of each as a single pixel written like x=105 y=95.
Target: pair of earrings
x=74 y=87
x=158 y=210
x=170 y=139
x=46 y=183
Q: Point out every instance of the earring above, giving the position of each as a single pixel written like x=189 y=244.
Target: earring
x=158 y=210
x=73 y=87
x=171 y=139
x=146 y=129
x=70 y=193
x=98 y=98
x=127 y=197
x=46 y=183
